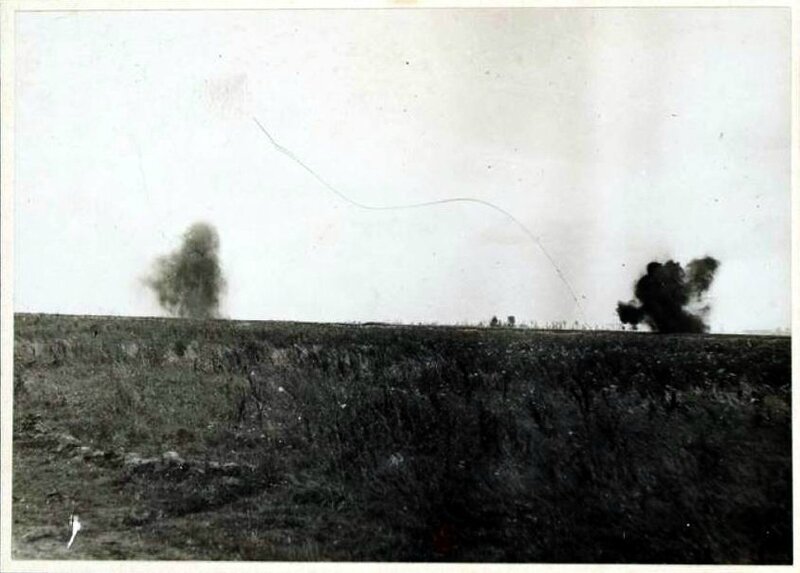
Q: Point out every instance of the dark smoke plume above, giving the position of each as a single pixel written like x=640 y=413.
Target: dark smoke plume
x=664 y=294
x=188 y=282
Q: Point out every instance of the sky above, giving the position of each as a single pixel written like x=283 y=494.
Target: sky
x=614 y=136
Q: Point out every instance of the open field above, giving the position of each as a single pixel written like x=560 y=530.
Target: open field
x=181 y=439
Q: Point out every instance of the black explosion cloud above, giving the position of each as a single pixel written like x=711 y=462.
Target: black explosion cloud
x=189 y=281
x=669 y=298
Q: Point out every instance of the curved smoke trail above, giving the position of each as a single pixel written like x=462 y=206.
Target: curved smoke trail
x=536 y=241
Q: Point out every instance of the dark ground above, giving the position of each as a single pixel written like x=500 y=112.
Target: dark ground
x=289 y=441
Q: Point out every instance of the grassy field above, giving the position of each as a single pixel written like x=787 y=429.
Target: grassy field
x=181 y=439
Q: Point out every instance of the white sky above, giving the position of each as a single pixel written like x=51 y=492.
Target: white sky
x=616 y=135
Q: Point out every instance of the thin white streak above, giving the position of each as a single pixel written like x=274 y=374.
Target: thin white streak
x=423 y=204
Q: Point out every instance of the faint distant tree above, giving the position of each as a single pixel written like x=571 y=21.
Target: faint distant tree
x=512 y=321
x=494 y=322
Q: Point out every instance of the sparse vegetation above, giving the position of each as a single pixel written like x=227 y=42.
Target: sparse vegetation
x=399 y=443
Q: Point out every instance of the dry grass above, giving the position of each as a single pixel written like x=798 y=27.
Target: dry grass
x=403 y=443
